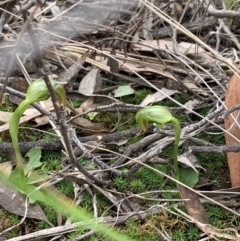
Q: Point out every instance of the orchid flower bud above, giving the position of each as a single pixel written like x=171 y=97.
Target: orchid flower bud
x=156 y=114
x=61 y=94
x=37 y=91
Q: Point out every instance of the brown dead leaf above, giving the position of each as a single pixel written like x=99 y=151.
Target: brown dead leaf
x=55 y=10
x=87 y=104
x=30 y=114
x=48 y=105
x=118 y=143
x=14 y=202
x=22 y=120
x=129 y=66
x=184 y=48
x=233 y=98
x=6 y=168
x=194 y=207
x=195 y=88
x=147 y=25
x=84 y=123
x=175 y=7
x=204 y=183
x=91 y=82
x=158 y=96
x=41 y=120
x=36 y=9
x=227 y=233
x=5 y=116
x=88 y=126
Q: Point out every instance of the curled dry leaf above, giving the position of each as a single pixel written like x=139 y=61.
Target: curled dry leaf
x=88 y=126
x=188 y=159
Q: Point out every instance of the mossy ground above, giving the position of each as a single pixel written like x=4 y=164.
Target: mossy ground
x=143 y=181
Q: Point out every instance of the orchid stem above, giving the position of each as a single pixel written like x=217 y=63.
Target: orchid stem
x=13 y=129
x=37 y=91
x=177 y=129
x=161 y=116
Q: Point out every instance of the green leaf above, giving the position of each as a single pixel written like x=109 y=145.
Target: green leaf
x=188 y=176
x=34 y=156
x=34 y=193
x=92 y=115
x=123 y=90
x=22 y=184
x=124 y=169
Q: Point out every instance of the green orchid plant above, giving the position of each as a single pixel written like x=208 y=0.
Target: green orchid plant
x=37 y=91
x=160 y=115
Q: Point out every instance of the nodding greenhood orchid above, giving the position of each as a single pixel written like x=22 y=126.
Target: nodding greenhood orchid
x=160 y=115
x=37 y=91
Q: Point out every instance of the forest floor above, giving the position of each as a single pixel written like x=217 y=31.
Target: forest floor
x=99 y=155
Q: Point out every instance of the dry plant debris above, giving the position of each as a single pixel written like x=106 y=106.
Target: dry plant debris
x=115 y=57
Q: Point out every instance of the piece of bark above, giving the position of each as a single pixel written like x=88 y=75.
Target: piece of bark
x=233 y=98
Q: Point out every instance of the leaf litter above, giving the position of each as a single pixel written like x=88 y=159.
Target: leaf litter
x=92 y=67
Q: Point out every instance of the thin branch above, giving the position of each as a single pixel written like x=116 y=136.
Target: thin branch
x=222 y=13
x=215 y=149
x=230 y=110
x=55 y=144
